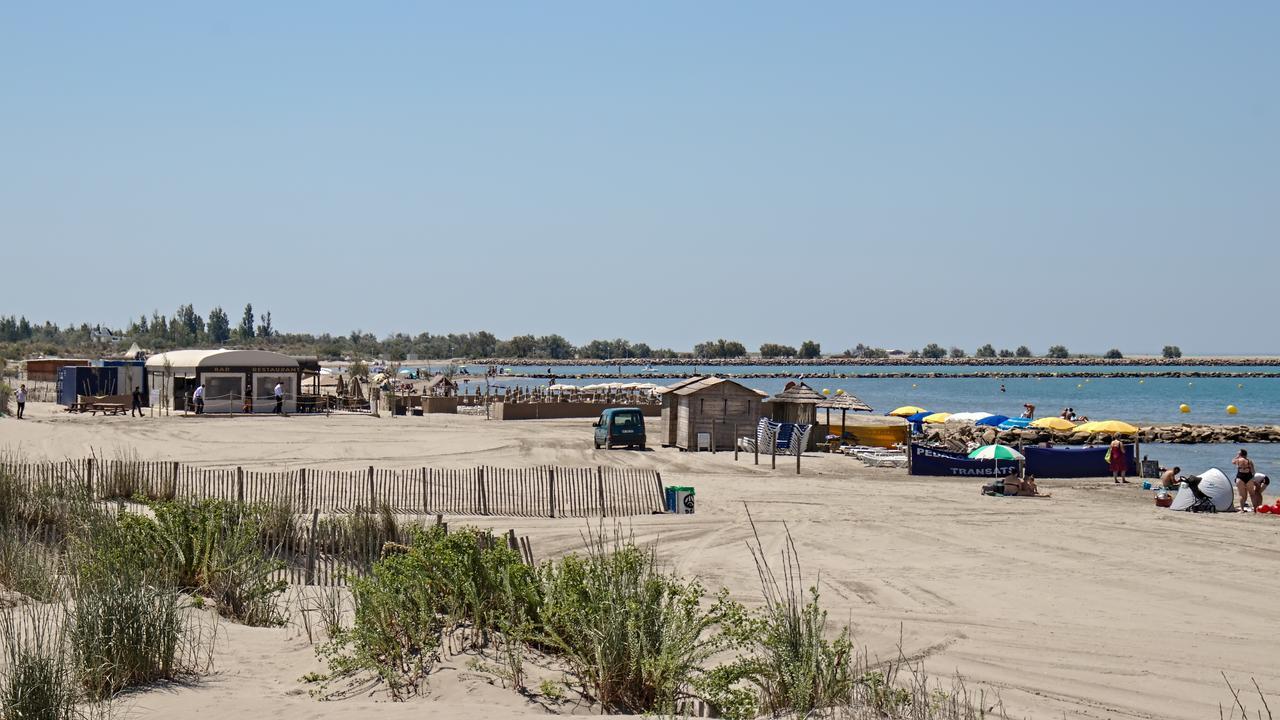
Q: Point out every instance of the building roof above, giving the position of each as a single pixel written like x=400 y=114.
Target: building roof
x=439 y=379
x=201 y=359
x=698 y=384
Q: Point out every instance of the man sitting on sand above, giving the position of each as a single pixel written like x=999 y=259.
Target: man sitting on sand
x=1169 y=478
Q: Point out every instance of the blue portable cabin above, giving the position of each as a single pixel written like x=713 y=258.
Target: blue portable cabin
x=87 y=380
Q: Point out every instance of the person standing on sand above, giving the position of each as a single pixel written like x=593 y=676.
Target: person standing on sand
x=198 y=398
x=137 y=402
x=1117 y=462
x=21 y=397
x=1245 y=472
x=279 y=393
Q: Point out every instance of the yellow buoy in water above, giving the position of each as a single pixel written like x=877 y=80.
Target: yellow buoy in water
x=840 y=391
x=826 y=391
x=1232 y=410
x=1185 y=408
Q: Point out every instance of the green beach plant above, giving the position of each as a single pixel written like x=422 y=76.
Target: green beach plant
x=37 y=678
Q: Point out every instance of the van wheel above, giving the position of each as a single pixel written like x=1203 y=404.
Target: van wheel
x=640 y=446
x=608 y=444
x=593 y=442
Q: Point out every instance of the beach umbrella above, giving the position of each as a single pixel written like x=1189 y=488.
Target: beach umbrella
x=1114 y=427
x=996 y=453
x=936 y=418
x=991 y=420
x=1053 y=423
x=906 y=410
x=919 y=417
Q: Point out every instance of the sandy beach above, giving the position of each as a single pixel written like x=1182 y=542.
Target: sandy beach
x=1090 y=604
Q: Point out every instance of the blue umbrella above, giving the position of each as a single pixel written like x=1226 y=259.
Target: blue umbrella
x=918 y=417
x=992 y=421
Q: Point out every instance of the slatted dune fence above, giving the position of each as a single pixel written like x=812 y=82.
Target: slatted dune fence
x=542 y=491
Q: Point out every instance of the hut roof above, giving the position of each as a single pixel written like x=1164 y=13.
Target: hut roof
x=698 y=384
x=844 y=402
x=798 y=393
x=439 y=379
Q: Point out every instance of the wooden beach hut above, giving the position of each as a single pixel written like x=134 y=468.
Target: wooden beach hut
x=708 y=411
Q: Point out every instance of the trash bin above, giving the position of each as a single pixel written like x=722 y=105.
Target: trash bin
x=680 y=500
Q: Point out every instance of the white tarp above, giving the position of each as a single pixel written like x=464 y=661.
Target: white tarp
x=1212 y=483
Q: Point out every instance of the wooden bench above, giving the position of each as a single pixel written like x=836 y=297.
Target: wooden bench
x=108 y=409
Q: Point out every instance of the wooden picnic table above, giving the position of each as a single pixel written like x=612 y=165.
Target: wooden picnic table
x=108 y=409
x=78 y=407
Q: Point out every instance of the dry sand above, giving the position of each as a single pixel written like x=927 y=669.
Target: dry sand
x=1090 y=604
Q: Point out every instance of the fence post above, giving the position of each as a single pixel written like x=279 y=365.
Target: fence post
x=713 y=436
x=799 y=452
x=483 y=494
x=773 y=452
x=551 y=491
x=311 y=546
x=426 y=486
x=512 y=543
x=88 y=476
x=373 y=504
x=175 y=478
x=756 y=445
x=240 y=485
x=735 y=442
x=662 y=495
x=302 y=485
x=600 y=488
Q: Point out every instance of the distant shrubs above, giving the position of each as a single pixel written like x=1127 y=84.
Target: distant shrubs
x=1023 y=352
x=810 y=350
x=1114 y=354
x=719 y=349
x=774 y=350
x=986 y=351
x=1171 y=352
x=933 y=351
x=1058 y=352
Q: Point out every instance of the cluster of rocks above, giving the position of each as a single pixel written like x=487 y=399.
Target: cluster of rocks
x=960 y=436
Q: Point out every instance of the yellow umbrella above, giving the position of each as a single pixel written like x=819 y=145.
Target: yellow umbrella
x=907 y=410
x=1115 y=427
x=936 y=418
x=1054 y=423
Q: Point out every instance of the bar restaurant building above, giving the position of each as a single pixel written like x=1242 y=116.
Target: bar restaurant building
x=235 y=381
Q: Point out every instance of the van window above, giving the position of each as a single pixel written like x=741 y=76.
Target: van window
x=625 y=420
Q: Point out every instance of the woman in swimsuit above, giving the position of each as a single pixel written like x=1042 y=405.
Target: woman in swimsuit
x=1244 y=477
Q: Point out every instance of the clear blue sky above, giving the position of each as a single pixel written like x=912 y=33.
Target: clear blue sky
x=1093 y=173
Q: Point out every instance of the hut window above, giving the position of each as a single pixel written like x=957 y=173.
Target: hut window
x=702 y=404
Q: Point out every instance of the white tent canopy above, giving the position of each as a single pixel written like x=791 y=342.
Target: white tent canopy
x=1214 y=483
x=969 y=417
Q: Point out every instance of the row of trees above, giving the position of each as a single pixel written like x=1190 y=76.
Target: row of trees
x=187 y=328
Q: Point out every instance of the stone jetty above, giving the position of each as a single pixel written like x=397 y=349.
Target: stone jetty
x=961 y=435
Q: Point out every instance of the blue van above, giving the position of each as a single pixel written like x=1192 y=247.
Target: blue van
x=620 y=426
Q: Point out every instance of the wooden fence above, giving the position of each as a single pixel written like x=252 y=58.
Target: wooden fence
x=543 y=491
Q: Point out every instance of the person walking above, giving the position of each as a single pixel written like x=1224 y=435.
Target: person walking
x=198 y=397
x=137 y=402
x=279 y=393
x=1245 y=472
x=21 y=397
x=1117 y=462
